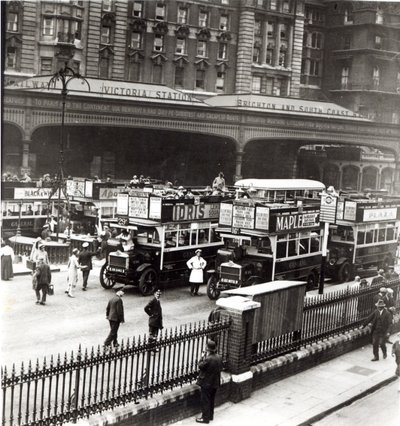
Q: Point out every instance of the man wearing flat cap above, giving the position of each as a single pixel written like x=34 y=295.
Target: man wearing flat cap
x=209 y=380
x=379 y=322
x=115 y=315
x=196 y=264
x=85 y=260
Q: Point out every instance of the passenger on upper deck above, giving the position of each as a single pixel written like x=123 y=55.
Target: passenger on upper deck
x=180 y=193
x=134 y=182
x=219 y=182
x=189 y=194
x=26 y=178
x=96 y=179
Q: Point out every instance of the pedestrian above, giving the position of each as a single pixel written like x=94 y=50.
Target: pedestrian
x=85 y=262
x=219 y=182
x=209 y=380
x=381 y=295
x=154 y=311
x=72 y=278
x=43 y=278
x=7 y=259
x=379 y=322
x=196 y=264
x=396 y=354
x=46 y=232
x=115 y=316
x=42 y=253
x=214 y=317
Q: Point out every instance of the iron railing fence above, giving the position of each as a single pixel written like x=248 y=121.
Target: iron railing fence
x=325 y=316
x=90 y=381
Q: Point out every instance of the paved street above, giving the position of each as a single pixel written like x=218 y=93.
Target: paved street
x=31 y=331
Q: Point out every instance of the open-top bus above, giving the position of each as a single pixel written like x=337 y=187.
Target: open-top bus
x=365 y=235
x=165 y=233
x=271 y=231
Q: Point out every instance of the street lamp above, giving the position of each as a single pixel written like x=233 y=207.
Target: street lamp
x=64 y=76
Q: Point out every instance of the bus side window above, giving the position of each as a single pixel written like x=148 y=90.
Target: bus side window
x=360 y=237
x=369 y=237
x=170 y=241
x=281 y=246
x=315 y=243
x=304 y=245
x=390 y=235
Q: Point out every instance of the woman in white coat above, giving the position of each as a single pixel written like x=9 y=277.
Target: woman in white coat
x=72 y=278
x=196 y=264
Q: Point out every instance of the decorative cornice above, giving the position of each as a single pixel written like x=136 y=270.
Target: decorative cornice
x=138 y=24
x=202 y=64
x=224 y=36
x=13 y=39
x=106 y=51
x=108 y=18
x=182 y=31
x=222 y=66
x=161 y=28
x=181 y=61
x=204 y=34
x=158 y=59
x=135 y=55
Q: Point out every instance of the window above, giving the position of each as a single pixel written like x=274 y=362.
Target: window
x=378 y=42
x=203 y=19
x=179 y=76
x=220 y=83
x=305 y=39
x=202 y=49
x=282 y=57
x=182 y=15
x=256 y=55
x=285 y=6
x=303 y=66
x=137 y=9
x=379 y=17
x=398 y=81
x=134 y=71
x=12 y=22
x=257 y=28
x=103 y=67
x=375 y=77
x=283 y=29
x=269 y=56
x=48 y=27
x=345 y=78
x=158 y=43
x=106 y=5
x=347 y=42
x=157 y=73
x=222 y=51
x=11 y=57
x=223 y=22
x=272 y=4
x=200 y=79
x=256 y=84
x=348 y=16
x=180 y=46
x=316 y=40
x=160 y=11
x=314 y=68
x=136 y=40
x=105 y=35
x=270 y=29
x=46 y=66
x=276 y=91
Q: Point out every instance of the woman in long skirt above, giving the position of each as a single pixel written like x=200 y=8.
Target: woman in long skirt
x=72 y=278
x=7 y=258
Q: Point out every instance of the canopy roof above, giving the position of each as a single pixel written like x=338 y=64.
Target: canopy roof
x=281 y=184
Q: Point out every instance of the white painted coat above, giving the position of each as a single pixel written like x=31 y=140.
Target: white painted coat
x=196 y=264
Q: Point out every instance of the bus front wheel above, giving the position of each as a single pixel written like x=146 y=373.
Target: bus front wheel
x=212 y=291
x=344 y=273
x=106 y=280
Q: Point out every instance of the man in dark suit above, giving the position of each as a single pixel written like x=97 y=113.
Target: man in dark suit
x=154 y=311
x=43 y=279
x=85 y=260
x=115 y=315
x=209 y=380
x=379 y=321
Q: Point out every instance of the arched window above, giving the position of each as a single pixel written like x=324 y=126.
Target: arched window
x=350 y=177
x=369 y=178
x=331 y=175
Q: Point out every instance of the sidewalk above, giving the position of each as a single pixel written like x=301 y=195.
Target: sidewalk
x=310 y=395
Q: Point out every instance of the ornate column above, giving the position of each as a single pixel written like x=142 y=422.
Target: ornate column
x=289 y=55
x=25 y=155
x=275 y=60
x=264 y=43
x=238 y=165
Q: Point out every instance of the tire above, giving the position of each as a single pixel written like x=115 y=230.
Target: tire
x=312 y=281
x=148 y=281
x=344 y=273
x=212 y=291
x=105 y=281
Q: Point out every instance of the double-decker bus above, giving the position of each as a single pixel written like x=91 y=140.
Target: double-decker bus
x=365 y=235
x=271 y=231
x=25 y=208
x=165 y=232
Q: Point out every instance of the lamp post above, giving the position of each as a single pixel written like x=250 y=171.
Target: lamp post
x=64 y=76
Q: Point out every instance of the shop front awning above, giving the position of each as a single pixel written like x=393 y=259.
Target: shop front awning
x=278 y=105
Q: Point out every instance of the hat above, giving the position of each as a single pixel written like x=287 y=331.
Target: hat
x=40 y=245
x=382 y=290
x=390 y=290
x=380 y=303
x=134 y=177
x=381 y=271
x=198 y=251
x=85 y=244
x=181 y=187
x=75 y=250
x=45 y=225
x=211 y=346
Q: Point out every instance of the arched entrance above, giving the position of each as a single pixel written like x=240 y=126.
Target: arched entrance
x=369 y=178
x=350 y=177
x=331 y=175
x=11 y=150
x=185 y=158
x=387 y=175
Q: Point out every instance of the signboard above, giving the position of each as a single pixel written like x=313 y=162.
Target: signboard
x=122 y=204
x=373 y=215
x=109 y=193
x=139 y=207
x=262 y=218
x=155 y=208
x=291 y=221
x=181 y=212
x=243 y=217
x=328 y=208
x=225 y=214
x=350 y=209
x=76 y=188
x=34 y=193
x=340 y=210
x=89 y=188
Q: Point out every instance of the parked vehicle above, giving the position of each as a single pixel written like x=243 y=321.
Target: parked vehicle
x=271 y=231
x=365 y=235
x=160 y=234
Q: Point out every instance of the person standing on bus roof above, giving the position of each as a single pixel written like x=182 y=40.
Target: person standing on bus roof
x=196 y=264
x=219 y=182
